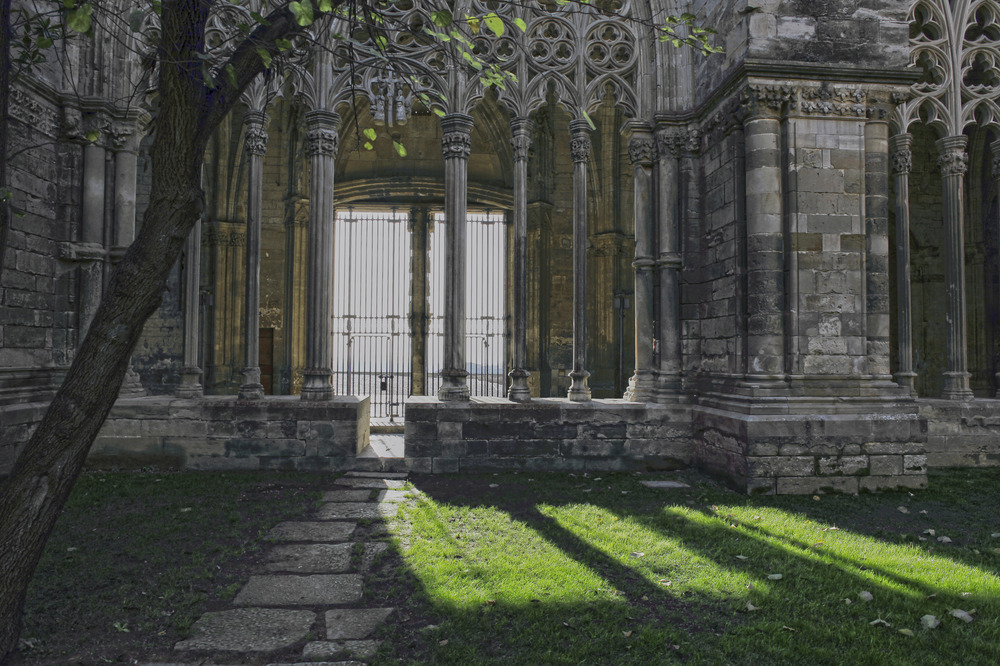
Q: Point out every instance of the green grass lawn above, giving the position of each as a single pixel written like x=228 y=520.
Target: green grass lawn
x=553 y=569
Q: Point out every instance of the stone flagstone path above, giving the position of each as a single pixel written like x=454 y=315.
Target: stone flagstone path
x=311 y=585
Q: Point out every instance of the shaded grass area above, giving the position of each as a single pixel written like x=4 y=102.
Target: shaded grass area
x=137 y=557
x=555 y=569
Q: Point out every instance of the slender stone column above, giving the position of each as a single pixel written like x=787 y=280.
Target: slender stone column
x=521 y=141
x=126 y=144
x=580 y=154
x=255 y=136
x=321 y=144
x=456 y=146
x=419 y=243
x=765 y=248
x=995 y=148
x=668 y=262
x=902 y=163
x=92 y=233
x=642 y=152
x=191 y=386
x=877 y=248
x=954 y=162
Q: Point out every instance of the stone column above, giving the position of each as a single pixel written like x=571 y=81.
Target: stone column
x=321 y=144
x=126 y=144
x=954 y=162
x=456 y=146
x=419 y=321
x=255 y=137
x=765 y=248
x=995 y=148
x=191 y=386
x=92 y=248
x=642 y=152
x=877 y=248
x=580 y=154
x=902 y=163
x=668 y=262
x=521 y=141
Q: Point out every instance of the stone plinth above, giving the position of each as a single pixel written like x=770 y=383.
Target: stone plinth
x=962 y=434
x=225 y=433
x=546 y=434
x=791 y=454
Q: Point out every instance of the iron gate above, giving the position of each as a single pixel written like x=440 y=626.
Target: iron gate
x=486 y=323
x=371 y=336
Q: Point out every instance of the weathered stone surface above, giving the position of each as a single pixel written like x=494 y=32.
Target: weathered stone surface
x=395 y=495
x=361 y=495
x=664 y=484
x=312 y=531
x=371 y=551
x=356 y=510
x=354 y=623
x=311 y=558
x=315 y=590
x=249 y=630
x=370 y=483
x=335 y=649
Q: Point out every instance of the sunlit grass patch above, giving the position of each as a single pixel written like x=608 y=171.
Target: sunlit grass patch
x=566 y=570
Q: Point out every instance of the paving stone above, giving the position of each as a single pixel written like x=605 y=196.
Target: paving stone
x=361 y=495
x=311 y=558
x=354 y=623
x=249 y=630
x=316 y=590
x=303 y=531
x=664 y=484
x=370 y=483
x=386 y=496
x=371 y=551
x=315 y=663
x=340 y=510
x=335 y=649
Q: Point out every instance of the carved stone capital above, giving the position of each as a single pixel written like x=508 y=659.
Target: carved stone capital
x=953 y=160
x=456 y=141
x=521 y=139
x=766 y=101
x=642 y=150
x=579 y=143
x=124 y=137
x=322 y=141
x=255 y=132
x=670 y=142
x=902 y=161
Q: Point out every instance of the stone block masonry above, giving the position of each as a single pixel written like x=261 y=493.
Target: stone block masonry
x=217 y=433
x=791 y=454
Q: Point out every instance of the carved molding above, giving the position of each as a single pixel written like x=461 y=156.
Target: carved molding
x=32 y=113
x=579 y=147
x=953 y=162
x=521 y=142
x=255 y=139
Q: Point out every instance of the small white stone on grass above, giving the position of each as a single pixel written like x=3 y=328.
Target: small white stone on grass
x=930 y=622
x=902 y=509
x=774 y=576
x=961 y=615
x=865 y=595
x=930 y=532
x=944 y=539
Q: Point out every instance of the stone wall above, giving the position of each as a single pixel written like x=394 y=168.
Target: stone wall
x=222 y=433
x=962 y=434
x=546 y=434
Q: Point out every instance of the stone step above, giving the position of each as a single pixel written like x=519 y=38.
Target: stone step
x=338 y=649
x=326 y=532
x=249 y=630
x=356 y=510
x=354 y=623
x=370 y=483
x=376 y=475
x=359 y=495
x=309 y=558
x=289 y=590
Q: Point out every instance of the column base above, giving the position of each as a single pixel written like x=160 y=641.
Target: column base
x=907 y=380
x=453 y=386
x=251 y=388
x=190 y=386
x=956 y=386
x=519 y=390
x=641 y=388
x=316 y=385
x=578 y=390
x=131 y=387
x=668 y=387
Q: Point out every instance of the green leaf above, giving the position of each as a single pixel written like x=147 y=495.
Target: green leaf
x=586 y=116
x=302 y=11
x=78 y=19
x=381 y=42
x=494 y=24
x=265 y=57
x=441 y=19
x=473 y=23
x=370 y=133
x=325 y=5
x=519 y=22
x=44 y=42
x=368 y=145
x=438 y=112
x=283 y=44
x=92 y=136
x=231 y=72
x=400 y=149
